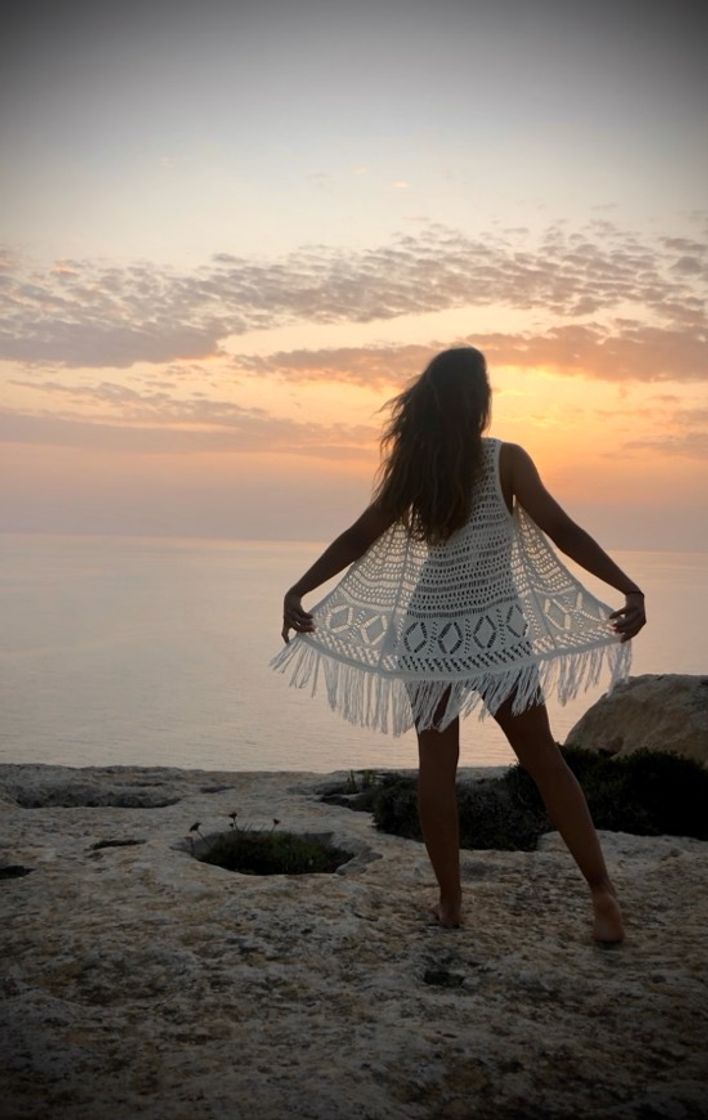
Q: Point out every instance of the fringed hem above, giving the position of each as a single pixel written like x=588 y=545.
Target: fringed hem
x=368 y=698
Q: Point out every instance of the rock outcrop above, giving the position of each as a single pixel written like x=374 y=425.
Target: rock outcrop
x=665 y=711
x=138 y=981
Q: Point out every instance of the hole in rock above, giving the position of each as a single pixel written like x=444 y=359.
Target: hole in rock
x=442 y=978
x=14 y=871
x=267 y=852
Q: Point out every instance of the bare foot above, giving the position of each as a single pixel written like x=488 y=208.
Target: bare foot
x=448 y=915
x=608 y=928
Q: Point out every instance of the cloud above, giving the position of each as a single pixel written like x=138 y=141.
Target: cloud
x=624 y=350
x=688 y=445
x=153 y=422
x=685 y=433
x=322 y=180
x=691 y=416
x=371 y=367
x=86 y=313
x=319 y=441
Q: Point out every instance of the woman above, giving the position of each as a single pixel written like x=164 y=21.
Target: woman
x=455 y=598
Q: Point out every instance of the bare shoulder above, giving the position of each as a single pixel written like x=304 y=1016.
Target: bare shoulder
x=522 y=476
x=512 y=452
x=513 y=460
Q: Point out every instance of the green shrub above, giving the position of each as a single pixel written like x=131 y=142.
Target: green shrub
x=490 y=815
x=395 y=806
x=495 y=815
x=648 y=793
x=661 y=793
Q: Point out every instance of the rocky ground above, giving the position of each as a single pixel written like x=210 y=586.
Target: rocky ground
x=139 y=982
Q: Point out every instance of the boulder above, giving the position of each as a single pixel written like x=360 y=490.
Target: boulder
x=660 y=711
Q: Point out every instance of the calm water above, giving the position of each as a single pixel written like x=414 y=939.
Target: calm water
x=154 y=651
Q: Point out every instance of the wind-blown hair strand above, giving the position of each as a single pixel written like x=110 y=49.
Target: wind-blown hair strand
x=431 y=447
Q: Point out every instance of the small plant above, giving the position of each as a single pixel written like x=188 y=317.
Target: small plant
x=260 y=851
x=351 y=795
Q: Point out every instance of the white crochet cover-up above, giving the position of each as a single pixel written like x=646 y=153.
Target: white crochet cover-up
x=489 y=614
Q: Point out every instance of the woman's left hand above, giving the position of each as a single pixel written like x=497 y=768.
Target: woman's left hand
x=294 y=617
x=631 y=617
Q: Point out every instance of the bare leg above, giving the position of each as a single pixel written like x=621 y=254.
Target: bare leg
x=530 y=737
x=439 y=752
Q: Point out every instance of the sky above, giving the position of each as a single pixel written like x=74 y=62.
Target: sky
x=232 y=231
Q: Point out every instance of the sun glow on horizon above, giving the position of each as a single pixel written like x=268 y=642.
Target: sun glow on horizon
x=211 y=288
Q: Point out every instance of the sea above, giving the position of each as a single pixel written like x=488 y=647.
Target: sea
x=143 y=651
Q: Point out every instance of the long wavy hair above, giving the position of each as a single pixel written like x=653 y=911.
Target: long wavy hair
x=431 y=447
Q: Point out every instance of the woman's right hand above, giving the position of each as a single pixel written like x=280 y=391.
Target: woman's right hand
x=631 y=617
x=294 y=616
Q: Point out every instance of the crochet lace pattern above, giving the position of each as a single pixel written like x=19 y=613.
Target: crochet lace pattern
x=490 y=614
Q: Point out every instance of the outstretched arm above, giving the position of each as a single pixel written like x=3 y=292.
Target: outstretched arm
x=572 y=540
x=343 y=551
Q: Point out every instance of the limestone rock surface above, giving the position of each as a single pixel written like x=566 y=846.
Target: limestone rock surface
x=664 y=711
x=139 y=983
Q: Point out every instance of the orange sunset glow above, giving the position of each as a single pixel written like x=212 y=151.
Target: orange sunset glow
x=209 y=294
